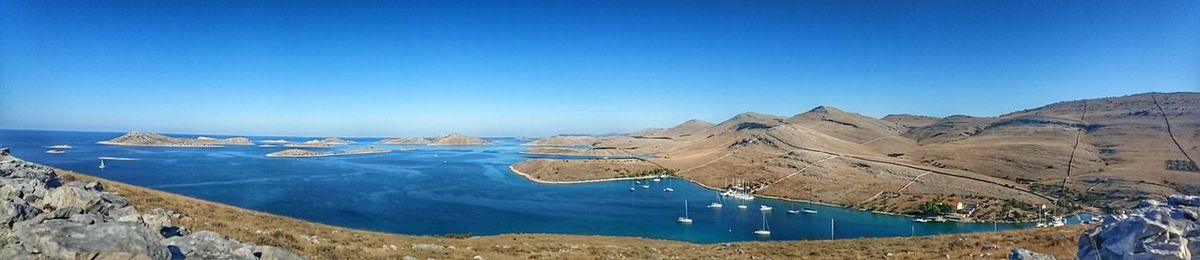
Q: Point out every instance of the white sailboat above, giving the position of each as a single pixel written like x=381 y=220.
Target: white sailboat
x=766 y=229
x=56 y=151
x=808 y=211
x=684 y=219
x=102 y=164
x=765 y=208
x=793 y=210
x=716 y=204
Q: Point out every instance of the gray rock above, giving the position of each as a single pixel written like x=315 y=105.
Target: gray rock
x=94 y=186
x=157 y=220
x=13 y=168
x=69 y=196
x=14 y=210
x=118 y=213
x=86 y=219
x=426 y=248
x=275 y=253
x=1025 y=254
x=1154 y=230
x=211 y=245
x=63 y=239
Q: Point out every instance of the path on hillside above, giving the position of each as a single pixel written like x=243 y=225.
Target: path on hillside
x=914 y=180
x=794 y=173
x=1169 y=132
x=1013 y=187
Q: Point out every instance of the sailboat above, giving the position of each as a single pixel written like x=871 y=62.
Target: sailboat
x=793 y=210
x=102 y=164
x=766 y=229
x=808 y=211
x=741 y=205
x=716 y=204
x=668 y=188
x=684 y=219
x=765 y=208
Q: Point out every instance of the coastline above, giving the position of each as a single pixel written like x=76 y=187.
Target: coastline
x=163 y=145
x=535 y=180
x=327 y=155
x=350 y=243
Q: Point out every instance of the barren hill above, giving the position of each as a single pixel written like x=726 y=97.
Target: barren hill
x=1007 y=164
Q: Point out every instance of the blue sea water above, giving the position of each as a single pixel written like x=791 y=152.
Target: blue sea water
x=435 y=190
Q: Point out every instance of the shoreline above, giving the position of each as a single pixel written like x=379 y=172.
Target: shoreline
x=166 y=145
x=326 y=155
x=535 y=180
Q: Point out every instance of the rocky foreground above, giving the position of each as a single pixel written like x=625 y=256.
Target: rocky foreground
x=1153 y=230
x=42 y=218
x=136 y=138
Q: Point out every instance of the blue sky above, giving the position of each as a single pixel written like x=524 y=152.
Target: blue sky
x=505 y=68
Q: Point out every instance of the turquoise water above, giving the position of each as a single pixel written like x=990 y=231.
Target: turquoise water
x=449 y=190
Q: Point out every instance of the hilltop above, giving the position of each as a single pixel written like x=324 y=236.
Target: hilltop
x=1008 y=165
x=136 y=138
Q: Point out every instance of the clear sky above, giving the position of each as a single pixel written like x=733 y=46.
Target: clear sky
x=530 y=68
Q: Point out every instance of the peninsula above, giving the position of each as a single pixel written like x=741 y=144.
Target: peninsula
x=136 y=138
x=1004 y=166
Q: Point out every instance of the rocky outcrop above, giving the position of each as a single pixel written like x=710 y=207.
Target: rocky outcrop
x=1025 y=254
x=1153 y=230
x=43 y=219
x=136 y=138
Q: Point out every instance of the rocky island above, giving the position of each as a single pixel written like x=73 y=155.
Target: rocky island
x=452 y=139
x=301 y=153
x=323 y=143
x=565 y=140
x=406 y=141
x=136 y=138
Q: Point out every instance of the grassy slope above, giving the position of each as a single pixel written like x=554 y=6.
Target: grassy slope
x=341 y=243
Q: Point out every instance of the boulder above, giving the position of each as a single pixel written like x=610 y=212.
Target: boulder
x=14 y=210
x=211 y=245
x=1153 y=230
x=275 y=253
x=62 y=239
x=1025 y=254
x=70 y=196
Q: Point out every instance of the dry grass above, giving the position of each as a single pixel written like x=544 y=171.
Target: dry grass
x=341 y=243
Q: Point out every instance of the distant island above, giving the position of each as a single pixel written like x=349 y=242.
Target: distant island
x=324 y=143
x=136 y=138
x=301 y=153
x=406 y=141
x=451 y=139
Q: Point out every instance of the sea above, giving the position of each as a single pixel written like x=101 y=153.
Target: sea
x=454 y=190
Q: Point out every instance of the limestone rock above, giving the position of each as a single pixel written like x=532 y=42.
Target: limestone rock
x=1025 y=254
x=1154 y=230
x=67 y=240
x=211 y=245
x=70 y=196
